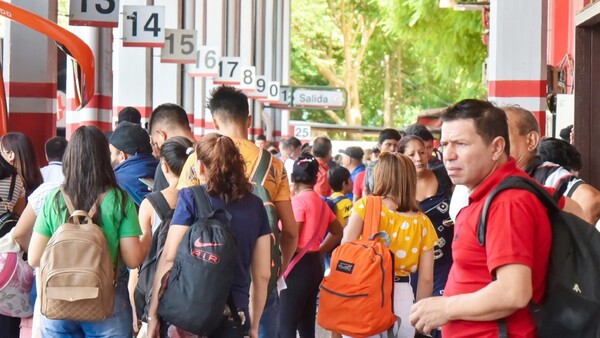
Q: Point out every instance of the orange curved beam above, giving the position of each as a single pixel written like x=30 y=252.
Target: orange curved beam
x=69 y=42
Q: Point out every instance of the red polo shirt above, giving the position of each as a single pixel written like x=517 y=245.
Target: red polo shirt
x=322 y=186
x=518 y=232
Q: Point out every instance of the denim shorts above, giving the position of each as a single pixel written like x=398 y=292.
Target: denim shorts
x=118 y=325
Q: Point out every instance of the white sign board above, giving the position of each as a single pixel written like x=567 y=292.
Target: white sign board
x=143 y=26
x=230 y=71
x=248 y=79
x=261 y=89
x=96 y=13
x=314 y=98
x=302 y=133
x=180 y=46
x=207 y=62
x=272 y=92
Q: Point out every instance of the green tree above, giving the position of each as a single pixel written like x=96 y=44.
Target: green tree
x=417 y=56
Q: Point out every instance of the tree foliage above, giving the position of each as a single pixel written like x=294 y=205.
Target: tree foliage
x=432 y=56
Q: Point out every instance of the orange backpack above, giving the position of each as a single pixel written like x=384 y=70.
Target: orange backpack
x=356 y=298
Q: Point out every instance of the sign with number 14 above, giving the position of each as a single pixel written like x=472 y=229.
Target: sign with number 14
x=143 y=26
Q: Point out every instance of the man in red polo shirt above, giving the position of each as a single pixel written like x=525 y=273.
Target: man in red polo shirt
x=476 y=154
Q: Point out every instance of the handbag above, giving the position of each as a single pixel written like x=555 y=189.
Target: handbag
x=16 y=279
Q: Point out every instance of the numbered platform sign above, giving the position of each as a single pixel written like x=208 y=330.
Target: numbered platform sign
x=180 y=46
x=95 y=13
x=302 y=132
x=272 y=92
x=207 y=62
x=261 y=89
x=285 y=98
x=230 y=71
x=248 y=79
x=143 y=26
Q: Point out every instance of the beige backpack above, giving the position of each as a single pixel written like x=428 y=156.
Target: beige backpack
x=77 y=278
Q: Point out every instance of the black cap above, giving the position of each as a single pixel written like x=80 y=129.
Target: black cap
x=130 y=114
x=131 y=139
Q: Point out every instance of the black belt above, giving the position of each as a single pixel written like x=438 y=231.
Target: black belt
x=402 y=279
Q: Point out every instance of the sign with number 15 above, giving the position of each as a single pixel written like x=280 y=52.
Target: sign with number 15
x=143 y=26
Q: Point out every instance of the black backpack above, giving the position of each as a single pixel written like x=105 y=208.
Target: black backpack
x=571 y=304
x=8 y=219
x=147 y=270
x=199 y=284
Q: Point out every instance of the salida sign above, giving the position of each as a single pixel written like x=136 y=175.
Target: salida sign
x=311 y=97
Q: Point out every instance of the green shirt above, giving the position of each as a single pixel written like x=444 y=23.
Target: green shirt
x=113 y=224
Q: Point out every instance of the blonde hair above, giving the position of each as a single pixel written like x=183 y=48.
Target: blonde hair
x=396 y=176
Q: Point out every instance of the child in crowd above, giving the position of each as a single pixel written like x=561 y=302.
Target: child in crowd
x=298 y=303
x=411 y=233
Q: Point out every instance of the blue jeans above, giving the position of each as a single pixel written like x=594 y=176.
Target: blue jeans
x=118 y=325
x=267 y=328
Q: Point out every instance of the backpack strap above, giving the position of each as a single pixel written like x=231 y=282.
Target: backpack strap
x=339 y=198
x=304 y=250
x=202 y=199
x=71 y=208
x=372 y=216
x=160 y=204
x=11 y=190
x=261 y=168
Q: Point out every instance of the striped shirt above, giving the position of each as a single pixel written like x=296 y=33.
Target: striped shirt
x=19 y=192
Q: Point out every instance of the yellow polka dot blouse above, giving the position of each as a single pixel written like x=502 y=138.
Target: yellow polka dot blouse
x=409 y=236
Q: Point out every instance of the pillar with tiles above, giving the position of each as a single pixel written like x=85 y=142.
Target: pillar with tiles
x=517 y=55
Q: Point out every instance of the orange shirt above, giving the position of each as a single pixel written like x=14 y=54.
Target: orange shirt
x=322 y=186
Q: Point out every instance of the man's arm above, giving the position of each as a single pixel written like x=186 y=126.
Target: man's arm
x=289 y=231
x=510 y=292
x=589 y=199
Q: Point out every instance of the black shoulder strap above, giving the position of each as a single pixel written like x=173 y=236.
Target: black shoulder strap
x=513 y=182
x=262 y=167
x=203 y=203
x=160 y=204
x=11 y=191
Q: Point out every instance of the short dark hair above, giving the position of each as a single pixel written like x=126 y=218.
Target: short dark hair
x=261 y=137
x=229 y=104
x=560 y=152
x=170 y=115
x=321 y=146
x=419 y=130
x=526 y=122
x=490 y=121
x=337 y=177
x=55 y=148
x=389 y=134
x=130 y=114
x=291 y=143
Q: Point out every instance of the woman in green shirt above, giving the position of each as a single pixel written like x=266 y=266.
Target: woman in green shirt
x=88 y=174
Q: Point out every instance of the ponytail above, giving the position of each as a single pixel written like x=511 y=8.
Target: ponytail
x=225 y=169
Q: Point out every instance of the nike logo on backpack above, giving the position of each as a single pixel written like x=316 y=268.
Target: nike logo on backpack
x=199 y=244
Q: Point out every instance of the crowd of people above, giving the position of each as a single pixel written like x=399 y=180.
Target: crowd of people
x=445 y=284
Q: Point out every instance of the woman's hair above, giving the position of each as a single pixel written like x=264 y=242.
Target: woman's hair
x=224 y=167
x=6 y=170
x=396 y=176
x=306 y=169
x=406 y=140
x=25 y=159
x=175 y=152
x=560 y=152
x=87 y=169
